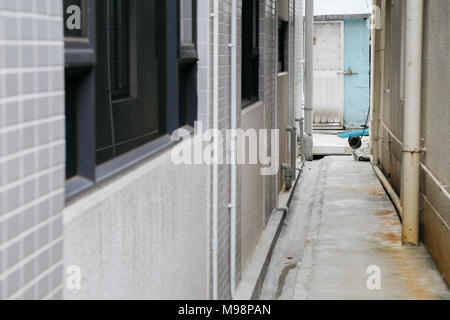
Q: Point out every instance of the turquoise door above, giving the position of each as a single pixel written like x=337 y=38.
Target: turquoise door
x=357 y=72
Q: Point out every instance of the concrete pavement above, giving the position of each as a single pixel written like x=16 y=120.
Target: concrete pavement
x=343 y=234
x=330 y=144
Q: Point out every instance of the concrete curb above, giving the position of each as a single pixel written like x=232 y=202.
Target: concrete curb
x=255 y=272
x=305 y=267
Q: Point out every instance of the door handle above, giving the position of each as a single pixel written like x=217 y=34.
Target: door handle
x=348 y=73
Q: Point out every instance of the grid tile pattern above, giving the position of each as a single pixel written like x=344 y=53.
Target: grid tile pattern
x=32 y=149
x=268 y=76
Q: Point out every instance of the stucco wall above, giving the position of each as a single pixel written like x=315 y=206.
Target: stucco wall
x=143 y=235
x=435 y=206
x=436 y=131
x=252 y=190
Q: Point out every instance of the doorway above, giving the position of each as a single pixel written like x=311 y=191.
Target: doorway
x=329 y=75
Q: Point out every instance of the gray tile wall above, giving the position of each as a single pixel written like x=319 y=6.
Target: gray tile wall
x=270 y=76
x=267 y=94
x=32 y=149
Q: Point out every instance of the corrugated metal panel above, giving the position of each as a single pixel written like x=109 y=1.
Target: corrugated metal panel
x=329 y=74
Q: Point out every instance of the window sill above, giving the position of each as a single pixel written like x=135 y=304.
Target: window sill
x=252 y=107
x=78 y=186
x=249 y=103
x=79 y=57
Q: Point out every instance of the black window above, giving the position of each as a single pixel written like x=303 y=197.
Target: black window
x=130 y=82
x=187 y=62
x=282 y=46
x=129 y=108
x=250 y=52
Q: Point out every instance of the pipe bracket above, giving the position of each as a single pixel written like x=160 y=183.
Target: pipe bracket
x=412 y=150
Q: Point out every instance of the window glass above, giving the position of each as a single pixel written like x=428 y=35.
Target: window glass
x=125 y=122
x=250 y=52
x=186 y=18
x=130 y=80
x=71 y=129
x=282 y=46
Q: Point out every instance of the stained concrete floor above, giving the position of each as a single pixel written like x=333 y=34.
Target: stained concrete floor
x=340 y=224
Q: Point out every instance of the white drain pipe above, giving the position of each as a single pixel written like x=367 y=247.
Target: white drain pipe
x=309 y=79
x=233 y=148
x=215 y=204
x=412 y=122
x=275 y=72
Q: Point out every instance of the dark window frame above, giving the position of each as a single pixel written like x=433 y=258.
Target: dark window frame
x=283 y=43
x=250 y=52
x=80 y=61
x=80 y=55
x=187 y=70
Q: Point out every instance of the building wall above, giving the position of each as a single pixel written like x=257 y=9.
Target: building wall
x=252 y=190
x=357 y=58
x=32 y=148
x=146 y=234
x=436 y=132
x=270 y=76
x=435 y=206
x=142 y=236
x=257 y=196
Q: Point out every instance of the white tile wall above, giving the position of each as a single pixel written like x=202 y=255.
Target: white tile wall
x=32 y=169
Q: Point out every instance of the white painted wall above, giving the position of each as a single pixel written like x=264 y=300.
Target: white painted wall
x=340 y=7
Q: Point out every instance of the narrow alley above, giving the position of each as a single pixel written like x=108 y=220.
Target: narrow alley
x=340 y=226
x=224 y=150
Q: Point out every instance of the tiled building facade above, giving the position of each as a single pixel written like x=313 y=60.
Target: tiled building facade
x=145 y=230
x=32 y=149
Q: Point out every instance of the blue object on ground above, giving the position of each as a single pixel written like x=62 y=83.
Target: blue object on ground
x=354 y=133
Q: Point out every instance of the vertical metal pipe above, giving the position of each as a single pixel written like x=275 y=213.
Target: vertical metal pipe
x=383 y=34
x=301 y=137
x=275 y=75
x=374 y=82
x=215 y=204
x=309 y=78
x=412 y=122
x=293 y=132
x=233 y=147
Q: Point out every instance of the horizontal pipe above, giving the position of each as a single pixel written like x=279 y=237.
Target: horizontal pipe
x=391 y=134
x=436 y=181
x=390 y=190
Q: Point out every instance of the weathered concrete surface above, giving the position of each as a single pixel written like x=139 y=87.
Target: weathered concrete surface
x=354 y=226
x=330 y=144
x=282 y=271
x=341 y=223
